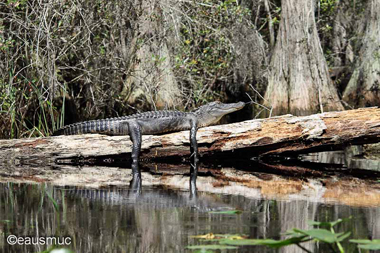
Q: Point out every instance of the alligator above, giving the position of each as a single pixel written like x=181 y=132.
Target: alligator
x=156 y=122
x=160 y=198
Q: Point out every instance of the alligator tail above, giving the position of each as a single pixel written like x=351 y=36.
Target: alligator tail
x=103 y=126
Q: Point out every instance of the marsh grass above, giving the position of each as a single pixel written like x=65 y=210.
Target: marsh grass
x=19 y=121
x=75 y=61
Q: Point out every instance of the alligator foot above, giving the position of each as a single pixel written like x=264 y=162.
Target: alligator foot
x=193 y=179
x=194 y=159
x=135 y=184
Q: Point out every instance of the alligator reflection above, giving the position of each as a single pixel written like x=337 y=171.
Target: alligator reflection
x=160 y=220
x=157 y=198
x=136 y=182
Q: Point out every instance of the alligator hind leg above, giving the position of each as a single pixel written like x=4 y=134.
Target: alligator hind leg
x=194 y=162
x=135 y=135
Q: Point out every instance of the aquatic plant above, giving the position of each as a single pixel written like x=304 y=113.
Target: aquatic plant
x=321 y=232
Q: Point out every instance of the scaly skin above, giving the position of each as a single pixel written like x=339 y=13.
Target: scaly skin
x=157 y=122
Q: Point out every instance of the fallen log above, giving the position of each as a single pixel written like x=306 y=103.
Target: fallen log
x=288 y=135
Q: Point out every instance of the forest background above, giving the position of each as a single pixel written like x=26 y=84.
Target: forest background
x=63 y=61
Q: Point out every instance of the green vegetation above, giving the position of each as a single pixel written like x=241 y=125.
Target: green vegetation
x=324 y=233
x=68 y=62
x=65 y=61
x=368 y=244
x=205 y=53
x=43 y=202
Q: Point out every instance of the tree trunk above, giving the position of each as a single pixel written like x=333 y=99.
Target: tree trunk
x=153 y=79
x=270 y=24
x=343 y=25
x=364 y=86
x=307 y=209
x=299 y=81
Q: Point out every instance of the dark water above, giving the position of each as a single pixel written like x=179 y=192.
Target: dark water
x=160 y=220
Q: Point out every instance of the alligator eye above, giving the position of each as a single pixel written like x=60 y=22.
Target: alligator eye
x=217 y=103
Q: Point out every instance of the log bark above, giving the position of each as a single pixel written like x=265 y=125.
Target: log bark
x=287 y=135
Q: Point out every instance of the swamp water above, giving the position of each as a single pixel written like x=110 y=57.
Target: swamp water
x=91 y=209
x=113 y=219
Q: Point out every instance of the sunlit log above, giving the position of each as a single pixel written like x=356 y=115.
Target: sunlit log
x=287 y=135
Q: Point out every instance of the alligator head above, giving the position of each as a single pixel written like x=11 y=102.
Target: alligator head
x=211 y=113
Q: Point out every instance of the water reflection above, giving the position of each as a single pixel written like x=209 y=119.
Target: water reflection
x=160 y=220
x=352 y=157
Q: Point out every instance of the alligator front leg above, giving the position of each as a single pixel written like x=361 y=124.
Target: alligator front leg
x=134 y=130
x=194 y=162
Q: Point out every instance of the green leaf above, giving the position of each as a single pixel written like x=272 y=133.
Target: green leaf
x=227 y=212
x=367 y=244
x=267 y=242
x=210 y=247
x=55 y=204
x=293 y=233
x=321 y=234
x=328 y=224
x=232 y=236
x=318 y=223
x=344 y=236
x=361 y=241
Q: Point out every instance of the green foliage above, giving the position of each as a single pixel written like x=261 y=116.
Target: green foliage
x=84 y=55
x=205 y=52
x=266 y=242
x=55 y=204
x=5 y=44
x=265 y=20
x=368 y=244
x=328 y=6
x=328 y=225
x=18 y=4
x=20 y=94
x=324 y=233
x=54 y=51
x=325 y=21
